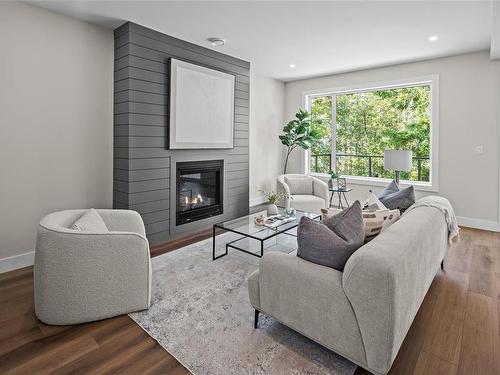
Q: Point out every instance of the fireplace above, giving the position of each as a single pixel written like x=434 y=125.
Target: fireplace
x=199 y=190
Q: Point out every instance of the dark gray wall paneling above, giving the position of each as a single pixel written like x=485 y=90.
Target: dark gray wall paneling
x=144 y=171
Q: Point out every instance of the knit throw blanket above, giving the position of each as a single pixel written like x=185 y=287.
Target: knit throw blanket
x=443 y=205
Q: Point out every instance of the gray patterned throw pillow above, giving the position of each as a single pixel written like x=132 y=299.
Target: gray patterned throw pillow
x=331 y=242
x=392 y=197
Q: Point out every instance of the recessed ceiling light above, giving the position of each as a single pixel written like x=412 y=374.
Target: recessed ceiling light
x=433 y=38
x=292 y=66
x=217 y=42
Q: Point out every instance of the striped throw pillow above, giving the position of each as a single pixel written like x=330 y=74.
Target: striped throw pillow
x=374 y=221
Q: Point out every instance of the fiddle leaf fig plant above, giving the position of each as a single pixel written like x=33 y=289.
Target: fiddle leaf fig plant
x=298 y=133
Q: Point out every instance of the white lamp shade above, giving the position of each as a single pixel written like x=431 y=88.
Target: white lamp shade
x=397 y=160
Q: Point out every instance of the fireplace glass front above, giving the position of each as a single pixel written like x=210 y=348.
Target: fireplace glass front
x=199 y=190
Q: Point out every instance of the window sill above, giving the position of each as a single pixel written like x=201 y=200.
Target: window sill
x=382 y=182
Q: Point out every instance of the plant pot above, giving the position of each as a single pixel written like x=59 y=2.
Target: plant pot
x=272 y=209
x=330 y=183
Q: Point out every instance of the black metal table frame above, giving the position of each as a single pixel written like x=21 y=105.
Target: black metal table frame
x=340 y=194
x=230 y=244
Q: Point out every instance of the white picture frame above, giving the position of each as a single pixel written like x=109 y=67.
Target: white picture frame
x=201 y=107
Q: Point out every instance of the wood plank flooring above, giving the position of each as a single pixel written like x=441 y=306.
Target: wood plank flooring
x=456 y=330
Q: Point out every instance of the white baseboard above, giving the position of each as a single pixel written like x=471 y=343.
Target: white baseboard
x=17 y=261
x=478 y=223
x=257 y=200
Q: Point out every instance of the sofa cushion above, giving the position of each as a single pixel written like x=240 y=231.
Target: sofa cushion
x=393 y=197
x=373 y=203
x=90 y=221
x=300 y=185
x=374 y=221
x=307 y=203
x=391 y=218
x=331 y=242
x=329 y=212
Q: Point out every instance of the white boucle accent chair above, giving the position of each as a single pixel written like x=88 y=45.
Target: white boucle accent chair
x=81 y=276
x=307 y=193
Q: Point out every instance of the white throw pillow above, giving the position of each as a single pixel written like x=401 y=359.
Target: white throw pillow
x=329 y=212
x=300 y=185
x=90 y=221
x=373 y=222
x=373 y=202
x=391 y=218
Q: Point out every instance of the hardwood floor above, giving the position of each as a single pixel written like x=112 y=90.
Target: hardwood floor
x=456 y=330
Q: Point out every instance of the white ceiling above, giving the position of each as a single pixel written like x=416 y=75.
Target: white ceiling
x=319 y=37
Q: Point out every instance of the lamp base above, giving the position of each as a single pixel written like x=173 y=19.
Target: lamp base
x=397 y=177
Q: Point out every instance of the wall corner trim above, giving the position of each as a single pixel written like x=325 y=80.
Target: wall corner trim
x=17 y=261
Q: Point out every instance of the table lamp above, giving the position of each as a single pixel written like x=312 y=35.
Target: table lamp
x=398 y=160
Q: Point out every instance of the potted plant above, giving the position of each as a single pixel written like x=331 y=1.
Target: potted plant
x=273 y=197
x=333 y=176
x=298 y=132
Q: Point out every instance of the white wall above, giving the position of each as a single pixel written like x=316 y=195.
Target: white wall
x=56 y=141
x=267 y=98
x=469 y=98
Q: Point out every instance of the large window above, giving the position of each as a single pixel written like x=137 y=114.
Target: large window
x=357 y=125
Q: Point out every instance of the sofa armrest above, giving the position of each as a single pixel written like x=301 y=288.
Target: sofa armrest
x=387 y=279
x=106 y=268
x=310 y=299
x=282 y=277
x=253 y=289
x=123 y=221
x=87 y=252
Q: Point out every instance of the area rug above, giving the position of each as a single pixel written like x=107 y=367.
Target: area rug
x=201 y=314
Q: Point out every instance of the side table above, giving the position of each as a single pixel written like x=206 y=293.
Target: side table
x=341 y=194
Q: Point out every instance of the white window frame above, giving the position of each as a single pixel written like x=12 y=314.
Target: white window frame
x=430 y=80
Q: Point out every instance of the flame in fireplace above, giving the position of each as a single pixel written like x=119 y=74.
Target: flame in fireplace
x=194 y=201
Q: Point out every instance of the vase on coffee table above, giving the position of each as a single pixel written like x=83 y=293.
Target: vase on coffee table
x=272 y=209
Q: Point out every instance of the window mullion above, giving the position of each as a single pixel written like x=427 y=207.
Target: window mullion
x=333 y=158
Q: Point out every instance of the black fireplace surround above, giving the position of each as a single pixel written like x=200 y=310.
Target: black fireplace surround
x=199 y=190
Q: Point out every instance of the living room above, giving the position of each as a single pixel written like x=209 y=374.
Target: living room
x=250 y=187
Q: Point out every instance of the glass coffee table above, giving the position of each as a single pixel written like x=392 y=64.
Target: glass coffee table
x=253 y=239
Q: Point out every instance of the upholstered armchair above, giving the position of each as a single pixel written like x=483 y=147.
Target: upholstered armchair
x=82 y=276
x=307 y=193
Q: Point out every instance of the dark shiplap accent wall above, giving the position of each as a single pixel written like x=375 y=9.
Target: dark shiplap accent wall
x=144 y=174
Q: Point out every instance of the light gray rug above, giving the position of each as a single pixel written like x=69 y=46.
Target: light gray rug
x=201 y=314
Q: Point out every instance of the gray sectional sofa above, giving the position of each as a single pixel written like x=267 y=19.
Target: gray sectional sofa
x=363 y=313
